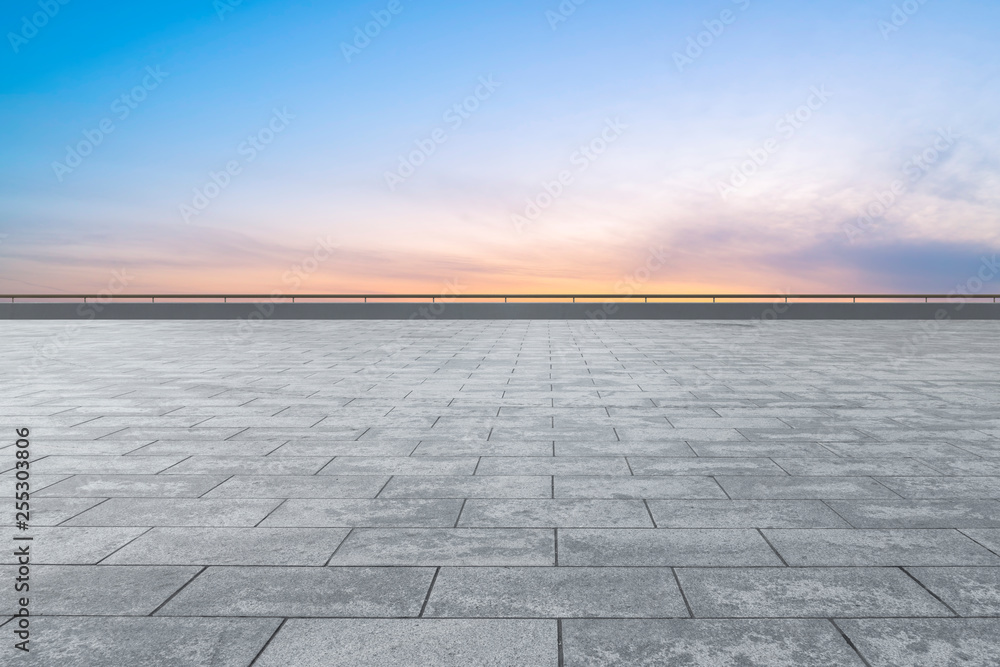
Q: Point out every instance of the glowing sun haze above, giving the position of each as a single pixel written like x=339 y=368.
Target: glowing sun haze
x=736 y=145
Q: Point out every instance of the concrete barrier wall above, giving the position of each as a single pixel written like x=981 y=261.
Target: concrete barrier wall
x=500 y=311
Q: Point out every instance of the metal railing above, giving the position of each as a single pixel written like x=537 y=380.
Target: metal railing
x=225 y=298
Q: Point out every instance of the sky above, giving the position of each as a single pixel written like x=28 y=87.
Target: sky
x=440 y=147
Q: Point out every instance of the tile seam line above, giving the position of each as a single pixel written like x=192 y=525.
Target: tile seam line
x=342 y=542
x=177 y=592
x=512 y=617
x=850 y=642
x=680 y=588
x=961 y=531
x=268 y=642
x=764 y=537
x=430 y=589
x=273 y=510
x=100 y=561
x=929 y=591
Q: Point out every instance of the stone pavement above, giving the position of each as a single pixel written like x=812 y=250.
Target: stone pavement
x=534 y=493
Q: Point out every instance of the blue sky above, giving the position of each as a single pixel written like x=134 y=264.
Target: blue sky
x=485 y=209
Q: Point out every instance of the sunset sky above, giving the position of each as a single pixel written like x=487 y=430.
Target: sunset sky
x=488 y=146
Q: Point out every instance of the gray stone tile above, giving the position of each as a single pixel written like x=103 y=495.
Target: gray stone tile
x=828 y=467
x=289 y=486
x=560 y=397
x=85 y=447
x=330 y=449
x=919 y=513
x=439 y=448
x=970 y=591
x=944 y=487
x=664 y=448
x=555 y=514
x=249 y=465
x=552 y=465
x=694 y=487
x=461 y=546
x=38 y=482
x=988 y=538
x=72 y=546
x=132 y=486
x=176 y=512
x=150 y=642
x=664 y=548
x=760 y=449
x=803 y=488
x=53 y=511
x=413 y=643
x=728 y=422
x=99 y=590
x=379 y=513
x=107 y=465
x=231 y=546
x=938 y=642
x=550 y=592
x=878 y=547
x=464 y=486
x=965 y=467
x=402 y=465
x=227 y=448
x=178 y=433
x=703 y=466
x=805 y=592
x=896 y=450
x=705 y=643
x=744 y=514
x=688 y=434
x=304 y=591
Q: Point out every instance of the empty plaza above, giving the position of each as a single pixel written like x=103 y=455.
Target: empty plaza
x=512 y=493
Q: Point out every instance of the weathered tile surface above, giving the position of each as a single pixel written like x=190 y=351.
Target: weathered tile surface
x=700 y=643
x=442 y=493
x=304 y=591
x=556 y=592
x=413 y=643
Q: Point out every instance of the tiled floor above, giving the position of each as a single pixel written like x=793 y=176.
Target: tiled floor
x=506 y=493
